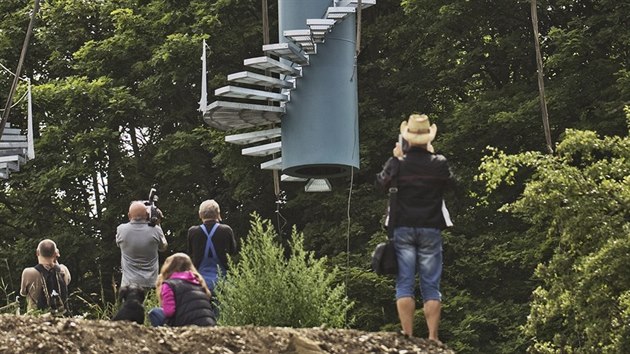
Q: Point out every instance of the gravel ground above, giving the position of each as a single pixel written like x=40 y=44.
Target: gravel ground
x=44 y=334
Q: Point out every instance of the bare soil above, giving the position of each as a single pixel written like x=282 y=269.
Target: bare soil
x=45 y=334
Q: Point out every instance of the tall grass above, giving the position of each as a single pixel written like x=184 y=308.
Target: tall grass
x=95 y=305
x=9 y=302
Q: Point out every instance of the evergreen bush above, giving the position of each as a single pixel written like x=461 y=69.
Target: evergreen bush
x=266 y=289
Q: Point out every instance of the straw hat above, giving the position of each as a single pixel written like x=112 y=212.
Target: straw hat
x=417 y=130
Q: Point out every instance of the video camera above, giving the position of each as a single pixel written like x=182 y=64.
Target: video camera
x=155 y=215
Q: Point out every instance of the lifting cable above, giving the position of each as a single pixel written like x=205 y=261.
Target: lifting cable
x=348 y=239
x=275 y=174
x=23 y=79
x=357 y=51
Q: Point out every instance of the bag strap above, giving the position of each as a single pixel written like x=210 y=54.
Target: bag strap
x=393 y=202
x=46 y=295
x=209 y=245
x=44 y=275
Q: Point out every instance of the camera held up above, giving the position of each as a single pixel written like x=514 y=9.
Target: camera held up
x=155 y=214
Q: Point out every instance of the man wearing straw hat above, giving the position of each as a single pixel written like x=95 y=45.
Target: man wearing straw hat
x=422 y=177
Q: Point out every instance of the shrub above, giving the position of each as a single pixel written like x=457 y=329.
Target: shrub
x=266 y=289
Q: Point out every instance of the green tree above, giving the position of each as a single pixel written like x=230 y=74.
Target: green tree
x=579 y=201
x=264 y=288
x=481 y=57
x=115 y=91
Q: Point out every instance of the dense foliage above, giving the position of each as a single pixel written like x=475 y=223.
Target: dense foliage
x=580 y=202
x=116 y=85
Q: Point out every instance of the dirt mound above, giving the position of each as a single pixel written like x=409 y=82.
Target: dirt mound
x=41 y=334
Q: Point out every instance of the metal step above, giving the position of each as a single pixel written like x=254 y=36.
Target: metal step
x=249 y=78
x=241 y=92
x=10 y=166
x=287 y=178
x=11 y=131
x=355 y=3
x=319 y=27
x=13 y=137
x=262 y=150
x=225 y=115
x=287 y=51
x=339 y=13
x=320 y=24
x=266 y=63
x=13 y=145
x=275 y=164
x=253 y=137
x=10 y=152
x=303 y=38
x=13 y=158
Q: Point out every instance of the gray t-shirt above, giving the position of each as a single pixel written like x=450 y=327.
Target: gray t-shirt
x=139 y=244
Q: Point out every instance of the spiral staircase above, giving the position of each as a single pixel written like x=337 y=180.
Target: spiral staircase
x=256 y=99
x=14 y=149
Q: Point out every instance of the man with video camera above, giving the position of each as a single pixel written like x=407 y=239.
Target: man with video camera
x=139 y=241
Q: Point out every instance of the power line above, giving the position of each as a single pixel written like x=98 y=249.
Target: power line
x=348 y=240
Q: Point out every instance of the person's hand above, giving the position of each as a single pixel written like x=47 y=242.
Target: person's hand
x=159 y=215
x=397 y=152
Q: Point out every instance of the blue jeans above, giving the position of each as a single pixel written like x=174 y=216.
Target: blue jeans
x=419 y=251
x=157 y=317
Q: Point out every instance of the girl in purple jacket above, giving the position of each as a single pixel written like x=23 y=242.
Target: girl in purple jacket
x=182 y=294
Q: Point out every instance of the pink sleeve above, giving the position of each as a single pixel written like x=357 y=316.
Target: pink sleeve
x=168 y=300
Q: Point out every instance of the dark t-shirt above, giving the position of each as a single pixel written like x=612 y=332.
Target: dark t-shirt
x=223 y=240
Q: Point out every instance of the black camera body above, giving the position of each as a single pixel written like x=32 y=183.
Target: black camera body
x=404 y=144
x=154 y=213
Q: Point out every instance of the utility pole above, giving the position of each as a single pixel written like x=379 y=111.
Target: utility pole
x=541 y=82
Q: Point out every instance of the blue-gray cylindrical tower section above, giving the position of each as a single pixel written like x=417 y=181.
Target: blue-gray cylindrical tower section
x=320 y=131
